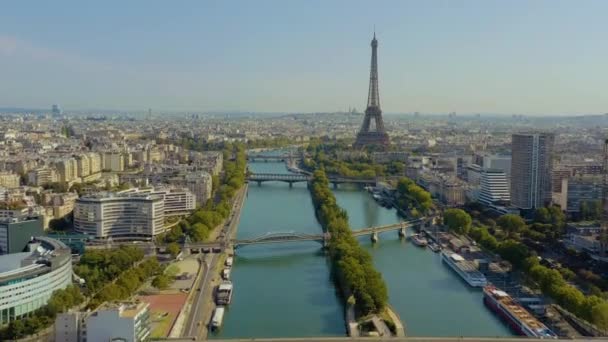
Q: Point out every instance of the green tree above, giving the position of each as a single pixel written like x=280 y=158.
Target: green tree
x=599 y=314
x=558 y=218
x=511 y=223
x=173 y=249
x=514 y=252
x=16 y=329
x=542 y=215
x=457 y=220
x=161 y=282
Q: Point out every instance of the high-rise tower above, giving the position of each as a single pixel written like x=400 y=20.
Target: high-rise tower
x=373 y=135
x=531 y=166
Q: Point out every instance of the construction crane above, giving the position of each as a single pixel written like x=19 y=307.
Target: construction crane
x=604 y=221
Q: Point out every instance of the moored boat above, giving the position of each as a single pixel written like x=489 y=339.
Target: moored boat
x=223 y=295
x=467 y=270
x=218 y=318
x=434 y=247
x=229 y=261
x=518 y=318
x=419 y=240
x=226 y=274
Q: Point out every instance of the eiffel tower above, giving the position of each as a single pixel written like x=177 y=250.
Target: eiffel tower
x=368 y=136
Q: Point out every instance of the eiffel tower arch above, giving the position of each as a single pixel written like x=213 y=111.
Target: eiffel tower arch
x=372 y=130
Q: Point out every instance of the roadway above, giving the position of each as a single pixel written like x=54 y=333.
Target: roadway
x=203 y=303
x=194 y=323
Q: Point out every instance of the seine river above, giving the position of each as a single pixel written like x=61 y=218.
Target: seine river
x=285 y=290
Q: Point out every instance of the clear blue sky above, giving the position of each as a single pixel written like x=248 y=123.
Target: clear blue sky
x=529 y=57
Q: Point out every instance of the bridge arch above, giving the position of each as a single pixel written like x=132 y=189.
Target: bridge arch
x=278 y=237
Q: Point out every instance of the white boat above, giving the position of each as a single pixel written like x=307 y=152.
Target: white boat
x=226 y=273
x=218 y=318
x=223 y=296
x=467 y=270
x=229 y=261
x=434 y=247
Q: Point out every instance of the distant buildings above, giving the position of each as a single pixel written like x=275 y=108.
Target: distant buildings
x=531 y=167
x=126 y=321
x=114 y=161
x=9 y=180
x=449 y=190
x=28 y=279
x=42 y=176
x=56 y=110
x=387 y=157
x=200 y=184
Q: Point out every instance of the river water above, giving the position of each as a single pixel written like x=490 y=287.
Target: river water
x=281 y=290
x=285 y=290
x=431 y=299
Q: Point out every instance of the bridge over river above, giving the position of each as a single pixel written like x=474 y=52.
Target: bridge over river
x=297 y=178
x=322 y=238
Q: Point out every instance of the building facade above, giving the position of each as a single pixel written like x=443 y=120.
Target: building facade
x=16 y=233
x=28 y=279
x=124 y=322
x=200 y=184
x=42 y=176
x=177 y=201
x=494 y=187
x=531 y=166
x=110 y=215
x=9 y=180
x=577 y=190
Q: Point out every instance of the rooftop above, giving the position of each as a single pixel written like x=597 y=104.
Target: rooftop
x=45 y=254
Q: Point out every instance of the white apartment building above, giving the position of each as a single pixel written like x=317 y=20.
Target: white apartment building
x=494 y=187
x=113 y=161
x=200 y=184
x=125 y=321
x=83 y=165
x=177 y=201
x=67 y=170
x=42 y=176
x=110 y=215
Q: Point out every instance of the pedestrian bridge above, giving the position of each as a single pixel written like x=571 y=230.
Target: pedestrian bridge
x=297 y=178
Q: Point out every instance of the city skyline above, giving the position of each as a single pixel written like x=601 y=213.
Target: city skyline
x=541 y=58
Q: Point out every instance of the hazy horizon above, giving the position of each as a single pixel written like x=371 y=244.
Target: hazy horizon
x=542 y=58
